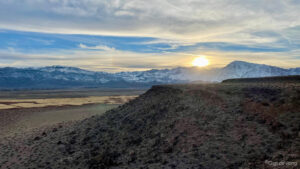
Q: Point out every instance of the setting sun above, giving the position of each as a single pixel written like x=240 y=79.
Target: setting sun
x=200 y=62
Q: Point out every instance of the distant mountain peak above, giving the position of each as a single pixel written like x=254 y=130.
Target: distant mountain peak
x=244 y=63
x=240 y=63
x=65 y=77
x=60 y=67
x=66 y=69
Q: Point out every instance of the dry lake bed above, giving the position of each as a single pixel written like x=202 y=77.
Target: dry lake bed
x=26 y=111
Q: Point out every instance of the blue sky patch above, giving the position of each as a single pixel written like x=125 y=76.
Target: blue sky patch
x=29 y=42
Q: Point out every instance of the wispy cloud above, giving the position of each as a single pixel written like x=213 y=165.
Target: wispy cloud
x=43 y=41
x=99 y=47
x=117 y=35
x=192 y=19
x=118 y=60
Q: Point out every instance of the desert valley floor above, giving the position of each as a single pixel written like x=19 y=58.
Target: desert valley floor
x=226 y=125
x=24 y=111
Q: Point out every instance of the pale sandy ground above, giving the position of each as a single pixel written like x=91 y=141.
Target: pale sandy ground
x=21 y=114
x=37 y=103
x=21 y=121
x=27 y=113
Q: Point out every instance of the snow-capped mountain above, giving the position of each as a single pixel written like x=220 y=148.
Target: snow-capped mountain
x=53 y=77
x=240 y=69
x=68 y=77
x=236 y=69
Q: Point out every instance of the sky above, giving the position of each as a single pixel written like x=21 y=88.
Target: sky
x=130 y=35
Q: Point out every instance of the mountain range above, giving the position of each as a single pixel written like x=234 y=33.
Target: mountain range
x=55 y=77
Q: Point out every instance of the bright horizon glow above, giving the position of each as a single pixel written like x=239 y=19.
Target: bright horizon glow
x=200 y=61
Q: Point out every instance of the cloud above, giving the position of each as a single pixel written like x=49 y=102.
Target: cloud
x=99 y=47
x=100 y=60
x=148 y=34
x=43 y=41
x=193 y=20
x=118 y=60
x=169 y=44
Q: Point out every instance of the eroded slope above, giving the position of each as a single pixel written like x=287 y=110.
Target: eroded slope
x=178 y=126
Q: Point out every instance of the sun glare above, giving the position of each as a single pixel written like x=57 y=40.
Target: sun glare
x=200 y=62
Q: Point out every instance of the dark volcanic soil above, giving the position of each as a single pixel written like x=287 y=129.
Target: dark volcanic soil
x=180 y=126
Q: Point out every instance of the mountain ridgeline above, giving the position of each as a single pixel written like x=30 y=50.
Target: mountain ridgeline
x=55 y=77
